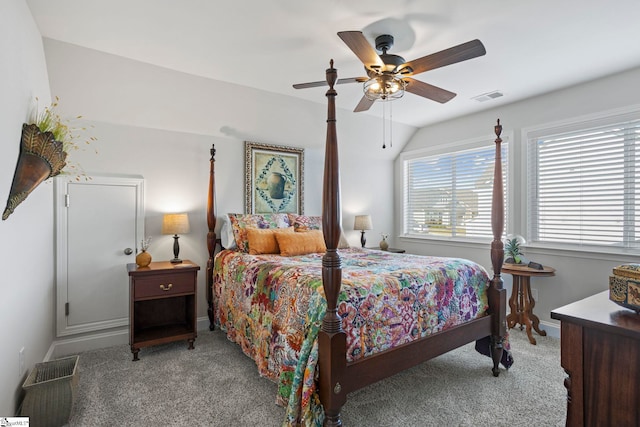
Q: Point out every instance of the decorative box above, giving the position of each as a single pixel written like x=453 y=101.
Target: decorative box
x=624 y=286
x=628 y=270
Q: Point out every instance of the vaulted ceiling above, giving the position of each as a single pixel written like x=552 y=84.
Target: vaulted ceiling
x=532 y=47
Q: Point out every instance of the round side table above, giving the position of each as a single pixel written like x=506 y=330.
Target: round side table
x=521 y=302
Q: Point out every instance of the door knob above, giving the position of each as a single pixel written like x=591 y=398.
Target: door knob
x=128 y=251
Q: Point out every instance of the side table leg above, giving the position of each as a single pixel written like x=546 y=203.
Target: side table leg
x=135 y=352
x=521 y=301
x=526 y=290
x=512 y=317
x=191 y=341
x=535 y=321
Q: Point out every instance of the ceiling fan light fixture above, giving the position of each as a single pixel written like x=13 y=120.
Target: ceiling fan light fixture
x=384 y=87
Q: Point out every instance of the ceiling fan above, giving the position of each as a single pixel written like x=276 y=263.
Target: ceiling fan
x=389 y=75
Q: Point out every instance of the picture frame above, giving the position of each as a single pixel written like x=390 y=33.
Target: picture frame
x=274 y=178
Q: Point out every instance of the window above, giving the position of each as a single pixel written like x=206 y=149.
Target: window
x=583 y=183
x=449 y=194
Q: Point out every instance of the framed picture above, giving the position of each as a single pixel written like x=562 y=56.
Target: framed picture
x=274 y=178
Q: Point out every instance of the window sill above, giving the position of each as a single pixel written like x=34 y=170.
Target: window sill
x=604 y=254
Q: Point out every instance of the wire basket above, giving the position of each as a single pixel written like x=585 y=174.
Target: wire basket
x=50 y=391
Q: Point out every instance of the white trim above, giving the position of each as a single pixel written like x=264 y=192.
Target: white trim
x=65 y=330
x=557 y=126
x=443 y=148
x=202 y=323
x=65 y=347
x=581 y=253
x=464 y=242
x=553 y=329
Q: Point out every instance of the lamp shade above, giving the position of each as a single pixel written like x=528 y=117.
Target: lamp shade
x=175 y=223
x=362 y=222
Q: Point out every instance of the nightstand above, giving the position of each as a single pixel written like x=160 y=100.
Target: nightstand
x=162 y=304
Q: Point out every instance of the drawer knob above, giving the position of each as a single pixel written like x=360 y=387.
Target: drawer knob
x=167 y=287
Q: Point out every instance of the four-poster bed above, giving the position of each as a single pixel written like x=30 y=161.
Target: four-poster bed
x=340 y=369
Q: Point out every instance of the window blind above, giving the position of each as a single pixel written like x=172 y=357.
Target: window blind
x=583 y=186
x=450 y=194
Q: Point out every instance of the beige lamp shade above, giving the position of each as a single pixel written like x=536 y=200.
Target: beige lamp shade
x=362 y=222
x=175 y=223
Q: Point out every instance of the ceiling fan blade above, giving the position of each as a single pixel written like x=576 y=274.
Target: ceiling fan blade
x=428 y=91
x=455 y=54
x=324 y=83
x=356 y=41
x=364 y=104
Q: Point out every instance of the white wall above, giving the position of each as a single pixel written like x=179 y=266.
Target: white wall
x=26 y=237
x=578 y=274
x=161 y=124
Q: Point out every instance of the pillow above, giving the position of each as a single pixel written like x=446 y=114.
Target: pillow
x=263 y=240
x=226 y=234
x=305 y=222
x=309 y=242
x=240 y=223
x=343 y=243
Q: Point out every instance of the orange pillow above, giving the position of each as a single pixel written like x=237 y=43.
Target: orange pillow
x=263 y=240
x=309 y=242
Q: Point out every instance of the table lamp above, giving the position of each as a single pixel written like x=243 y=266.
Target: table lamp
x=362 y=223
x=175 y=224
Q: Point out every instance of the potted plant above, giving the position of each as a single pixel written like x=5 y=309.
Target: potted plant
x=45 y=143
x=512 y=251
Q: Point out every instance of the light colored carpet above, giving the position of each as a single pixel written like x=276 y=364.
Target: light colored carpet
x=217 y=385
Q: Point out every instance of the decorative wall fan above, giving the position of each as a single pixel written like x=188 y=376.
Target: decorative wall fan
x=389 y=76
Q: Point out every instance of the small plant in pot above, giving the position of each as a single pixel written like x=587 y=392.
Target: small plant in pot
x=512 y=251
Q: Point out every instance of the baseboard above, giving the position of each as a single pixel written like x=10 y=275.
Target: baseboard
x=202 y=323
x=67 y=346
x=553 y=329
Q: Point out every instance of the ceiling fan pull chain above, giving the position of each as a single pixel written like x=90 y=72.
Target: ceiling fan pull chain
x=390 y=126
x=384 y=124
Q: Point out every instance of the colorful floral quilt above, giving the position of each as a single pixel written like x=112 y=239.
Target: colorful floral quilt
x=273 y=307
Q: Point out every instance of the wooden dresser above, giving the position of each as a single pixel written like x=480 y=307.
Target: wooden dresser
x=162 y=301
x=600 y=352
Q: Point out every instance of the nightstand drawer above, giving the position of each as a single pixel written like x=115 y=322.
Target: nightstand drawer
x=163 y=285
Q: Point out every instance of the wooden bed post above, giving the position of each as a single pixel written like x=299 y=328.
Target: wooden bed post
x=332 y=341
x=497 y=294
x=211 y=236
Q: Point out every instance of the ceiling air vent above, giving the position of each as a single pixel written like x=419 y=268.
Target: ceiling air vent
x=488 y=96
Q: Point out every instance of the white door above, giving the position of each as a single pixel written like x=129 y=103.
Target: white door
x=99 y=223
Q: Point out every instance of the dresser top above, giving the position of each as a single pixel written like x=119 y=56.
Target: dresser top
x=598 y=311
